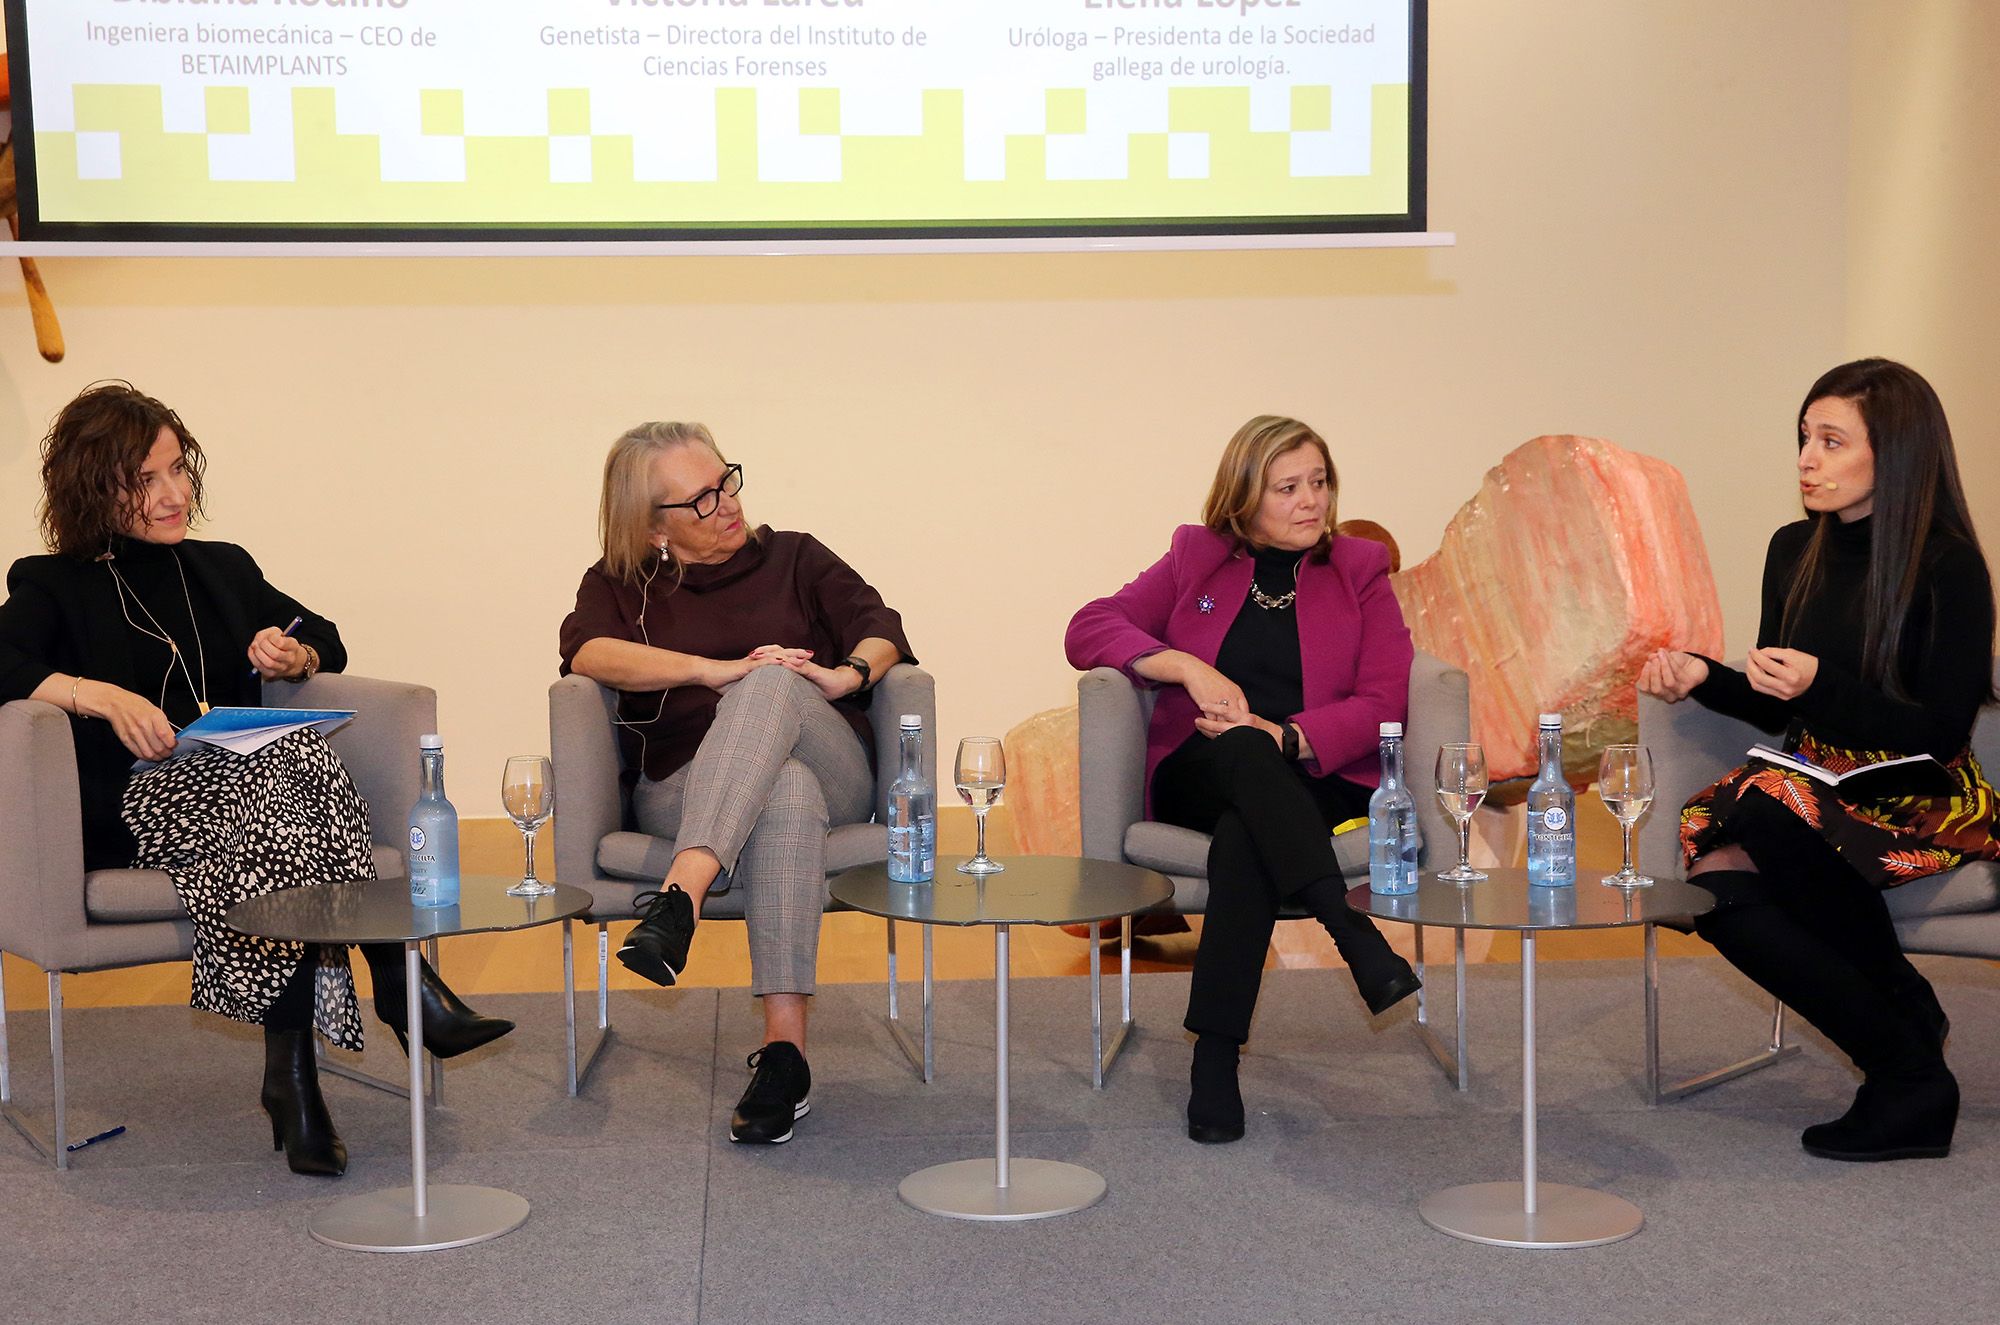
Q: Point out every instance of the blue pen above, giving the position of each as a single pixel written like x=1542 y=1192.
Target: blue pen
x=93 y=1140
x=287 y=635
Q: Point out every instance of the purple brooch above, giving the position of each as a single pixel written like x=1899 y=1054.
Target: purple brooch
x=1206 y=604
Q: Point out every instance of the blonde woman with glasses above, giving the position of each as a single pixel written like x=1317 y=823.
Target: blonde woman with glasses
x=743 y=658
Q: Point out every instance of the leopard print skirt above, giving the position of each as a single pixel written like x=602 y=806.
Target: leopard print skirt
x=228 y=827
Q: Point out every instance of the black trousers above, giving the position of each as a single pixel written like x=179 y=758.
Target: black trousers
x=1270 y=823
x=1811 y=931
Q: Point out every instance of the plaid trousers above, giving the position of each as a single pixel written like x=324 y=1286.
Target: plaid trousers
x=776 y=770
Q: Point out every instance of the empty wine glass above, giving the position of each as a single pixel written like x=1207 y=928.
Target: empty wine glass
x=528 y=794
x=1461 y=786
x=981 y=775
x=1625 y=784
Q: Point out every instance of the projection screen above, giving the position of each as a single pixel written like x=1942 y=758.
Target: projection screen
x=425 y=120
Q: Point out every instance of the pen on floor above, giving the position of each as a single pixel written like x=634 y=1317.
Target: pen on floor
x=105 y=1135
x=287 y=635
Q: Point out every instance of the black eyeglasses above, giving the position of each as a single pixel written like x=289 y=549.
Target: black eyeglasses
x=706 y=502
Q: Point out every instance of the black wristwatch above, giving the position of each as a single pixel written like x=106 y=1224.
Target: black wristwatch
x=860 y=665
x=1289 y=746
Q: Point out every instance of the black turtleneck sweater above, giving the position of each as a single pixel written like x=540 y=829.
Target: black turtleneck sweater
x=63 y=614
x=1261 y=650
x=1946 y=654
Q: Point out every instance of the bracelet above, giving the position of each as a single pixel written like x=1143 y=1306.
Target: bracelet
x=860 y=665
x=312 y=663
x=1289 y=746
x=74 y=683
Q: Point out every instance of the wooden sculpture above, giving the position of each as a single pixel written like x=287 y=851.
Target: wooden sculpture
x=48 y=331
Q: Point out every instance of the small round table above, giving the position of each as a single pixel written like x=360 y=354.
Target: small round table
x=1527 y=1213
x=1034 y=890
x=418 y=1217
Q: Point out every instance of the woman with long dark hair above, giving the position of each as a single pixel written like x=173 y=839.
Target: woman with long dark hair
x=135 y=630
x=1876 y=642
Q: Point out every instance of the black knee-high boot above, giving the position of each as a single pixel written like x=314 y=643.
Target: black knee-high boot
x=1379 y=972
x=300 y=1124
x=450 y=1027
x=1908 y=1105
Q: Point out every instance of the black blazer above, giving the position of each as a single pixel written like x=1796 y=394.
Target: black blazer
x=62 y=615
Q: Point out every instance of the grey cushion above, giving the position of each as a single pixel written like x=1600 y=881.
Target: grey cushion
x=1964 y=891
x=123 y=896
x=1183 y=851
x=644 y=859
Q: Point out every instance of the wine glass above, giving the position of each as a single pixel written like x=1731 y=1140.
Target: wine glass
x=980 y=775
x=1461 y=785
x=1625 y=784
x=528 y=794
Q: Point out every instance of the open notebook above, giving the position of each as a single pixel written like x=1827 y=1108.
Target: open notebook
x=1889 y=779
x=245 y=731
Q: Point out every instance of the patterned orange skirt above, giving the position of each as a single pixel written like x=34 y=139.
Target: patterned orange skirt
x=1887 y=842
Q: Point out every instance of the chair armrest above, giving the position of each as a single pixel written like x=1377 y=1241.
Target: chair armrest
x=904 y=688
x=1440 y=713
x=41 y=854
x=583 y=748
x=1691 y=746
x=379 y=747
x=1111 y=760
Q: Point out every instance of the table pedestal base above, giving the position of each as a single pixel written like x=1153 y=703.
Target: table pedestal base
x=1036 y=1189
x=385 y=1220
x=1493 y=1213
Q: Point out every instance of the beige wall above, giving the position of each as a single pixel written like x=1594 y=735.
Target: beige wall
x=1651 y=205
x=1923 y=268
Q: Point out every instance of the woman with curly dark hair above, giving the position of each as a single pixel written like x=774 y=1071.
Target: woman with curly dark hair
x=135 y=630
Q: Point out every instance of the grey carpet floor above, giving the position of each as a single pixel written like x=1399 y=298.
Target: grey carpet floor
x=643 y=1211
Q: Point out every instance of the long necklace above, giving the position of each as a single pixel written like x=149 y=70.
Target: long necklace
x=1281 y=601
x=159 y=632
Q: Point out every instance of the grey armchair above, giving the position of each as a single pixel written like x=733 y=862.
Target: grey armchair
x=64 y=920
x=597 y=851
x=1112 y=718
x=1953 y=914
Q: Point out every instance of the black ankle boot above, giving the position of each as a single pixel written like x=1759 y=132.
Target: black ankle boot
x=1215 y=1104
x=450 y=1027
x=1908 y=1115
x=300 y=1125
x=1381 y=975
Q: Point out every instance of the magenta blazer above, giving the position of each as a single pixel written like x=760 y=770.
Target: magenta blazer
x=1355 y=651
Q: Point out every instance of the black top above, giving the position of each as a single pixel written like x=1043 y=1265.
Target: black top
x=779 y=588
x=1261 y=650
x=1946 y=654
x=63 y=614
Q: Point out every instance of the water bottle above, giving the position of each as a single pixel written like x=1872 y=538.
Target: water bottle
x=1551 y=814
x=1392 y=823
x=912 y=811
x=433 y=834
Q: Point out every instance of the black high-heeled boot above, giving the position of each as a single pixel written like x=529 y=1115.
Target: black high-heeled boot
x=450 y=1027
x=300 y=1124
x=1215 y=1104
x=1379 y=972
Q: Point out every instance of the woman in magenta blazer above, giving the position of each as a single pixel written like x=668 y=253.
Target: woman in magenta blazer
x=1279 y=650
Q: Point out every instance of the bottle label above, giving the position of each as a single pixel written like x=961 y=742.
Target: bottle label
x=417 y=838
x=1555 y=818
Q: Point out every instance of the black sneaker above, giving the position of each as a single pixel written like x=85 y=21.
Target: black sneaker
x=657 y=947
x=778 y=1094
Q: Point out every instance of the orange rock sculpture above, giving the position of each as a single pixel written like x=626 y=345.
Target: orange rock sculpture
x=1573 y=562
x=1042 y=784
